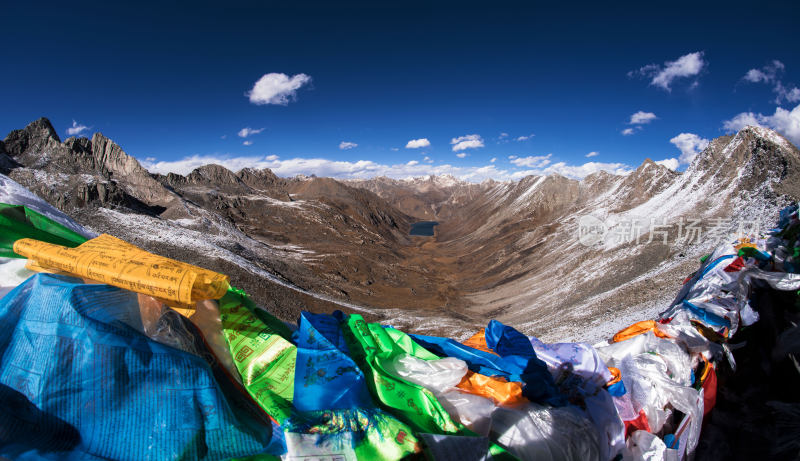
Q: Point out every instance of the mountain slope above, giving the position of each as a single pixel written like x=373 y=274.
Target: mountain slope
x=506 y=250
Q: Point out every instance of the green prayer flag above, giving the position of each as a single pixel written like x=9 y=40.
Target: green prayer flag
x=375 y=348
x=19 y=222
x=261 y=352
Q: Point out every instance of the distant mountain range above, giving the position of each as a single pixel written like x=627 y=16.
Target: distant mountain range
x=556 y=257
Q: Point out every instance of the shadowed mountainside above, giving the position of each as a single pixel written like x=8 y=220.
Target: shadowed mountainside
x=505 y=250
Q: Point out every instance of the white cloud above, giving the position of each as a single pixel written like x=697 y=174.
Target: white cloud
x=627 y=131
x=327 y=168
x=245 y=132
x=755 y=76
x=248 y=143
x=461 y=155
x=641 y=118
x=783 y=121
x=494 y=159
x=369 y=169
x=187 y=164
x=575 y=171
x=786 y=94
x=539 y=161
x=671 y=163
x=76 y=128
x=771 y=74
x=592 y=154
x=417 y=143
x=470 y=141
x=687 y=65
x=742 y=120
x=427 y=159
x=277 y=88
x=690 y=145
x=525 y=138
x=512 y=157
x=503 y=135
x=766 y=74
x=344 y=145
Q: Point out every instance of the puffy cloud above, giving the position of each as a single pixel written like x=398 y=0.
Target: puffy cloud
x=470 y=141
x=575 y=171
x=755 y=76
x=76 y=128
x=369 y=169
x=637 y=120
x=245 y=132
x=742 y=120
x=767 y=74
x=592 y=154
x=461 y=155
x=786 y=94
x=512 y=157
x=641 y=118
x=344 y=145
x=277 y=88
x=690 y=145
x=503 y=135
x=187 y=164
x=771 y=74
x=417 y=143
x=687 y=65
x=427 y=159
x=783 y=121
x=248 y=143
x=494 y=159
x=532 y=161
x=525 y=138
x=325 y=167
x=671 y=163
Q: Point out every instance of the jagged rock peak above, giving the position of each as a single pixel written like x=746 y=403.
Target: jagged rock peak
x=253 y=176
x=769 y=135
x=651 y=168
x=39 y=131
x=213 y=173
x=110 y=156
x=730 y=153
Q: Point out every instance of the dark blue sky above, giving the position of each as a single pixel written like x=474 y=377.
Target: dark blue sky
x=169 y=81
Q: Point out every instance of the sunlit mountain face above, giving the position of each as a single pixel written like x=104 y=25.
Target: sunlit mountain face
x=558 y=257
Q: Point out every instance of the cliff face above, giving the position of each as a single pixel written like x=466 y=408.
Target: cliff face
x=506 y=250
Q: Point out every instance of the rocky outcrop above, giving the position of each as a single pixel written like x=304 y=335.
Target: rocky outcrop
x=263 y=180
x=37 y=136
x=6 y=163
x=80 y=171
x=642 y=184
x=219 y=178
x=112 y=162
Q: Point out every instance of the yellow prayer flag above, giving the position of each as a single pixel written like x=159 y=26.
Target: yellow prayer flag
x=110 y=260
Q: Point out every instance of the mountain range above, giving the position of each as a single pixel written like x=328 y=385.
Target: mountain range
x=559 y=258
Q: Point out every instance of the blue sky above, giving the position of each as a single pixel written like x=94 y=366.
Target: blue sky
x=345 y=87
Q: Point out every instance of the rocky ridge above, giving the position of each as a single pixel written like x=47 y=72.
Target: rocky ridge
x=506 y=250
